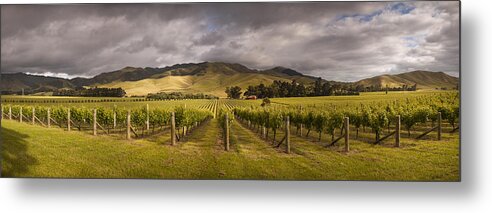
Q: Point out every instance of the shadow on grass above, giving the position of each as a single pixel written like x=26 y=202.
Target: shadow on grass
x=15 y=158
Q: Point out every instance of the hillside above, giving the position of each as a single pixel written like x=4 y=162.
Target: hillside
x=19 y=81
x=136 y=73
x=209 y=77
x=423 y=79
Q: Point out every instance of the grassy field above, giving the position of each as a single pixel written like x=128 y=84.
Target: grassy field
x=34 y=151
x=363 y=98
x=30 y=151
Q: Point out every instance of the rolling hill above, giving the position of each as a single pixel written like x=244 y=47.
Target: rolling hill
x=19 y=81
x=208 y=77
x=211 y=78
x=423 y=79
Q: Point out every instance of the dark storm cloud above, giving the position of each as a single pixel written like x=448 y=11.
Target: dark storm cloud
x=335 y=40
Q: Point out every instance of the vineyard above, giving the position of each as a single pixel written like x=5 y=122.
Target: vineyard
x=288 y=125
x=414 y=113
x=133 y=122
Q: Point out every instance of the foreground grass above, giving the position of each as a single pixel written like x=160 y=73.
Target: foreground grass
x=33 y=151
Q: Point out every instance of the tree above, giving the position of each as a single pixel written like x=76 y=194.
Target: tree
x=293 y=89
x=266 y=102
x=251 y=91
x=261 y=91
x=318 y=87
x=414 y=87
x=326 y=89
x=233 y=92
x=301 y=90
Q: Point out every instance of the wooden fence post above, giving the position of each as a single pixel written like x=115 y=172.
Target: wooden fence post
x=301 y=126
x=347 y=134
x=226 y=120
x=68 y=120
x=94 y=123
x=128 y=125
x=173 y=129
x=48 y=118
x=114 y=119
x=147 y=122
x=263 y=132
x=33 y=115
x=287 y=134
x=439 y=126
x=397 y=131
x=20 y=115
x=10 y=112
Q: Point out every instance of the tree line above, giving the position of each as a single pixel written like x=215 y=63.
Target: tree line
x=179 y=95
x=91 y=92
x=280 y=89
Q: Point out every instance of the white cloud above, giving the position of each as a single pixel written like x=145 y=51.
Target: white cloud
x=335 y=40
x=57 y=75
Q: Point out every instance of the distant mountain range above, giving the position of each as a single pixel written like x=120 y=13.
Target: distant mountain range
x=208 y=77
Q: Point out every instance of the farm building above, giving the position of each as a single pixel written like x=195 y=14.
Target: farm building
x=251 y=97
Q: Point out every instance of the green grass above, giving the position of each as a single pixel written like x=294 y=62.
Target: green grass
x=363 y=98
x=34 y=151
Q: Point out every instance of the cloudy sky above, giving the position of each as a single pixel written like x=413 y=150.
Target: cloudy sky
x=336 y=40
